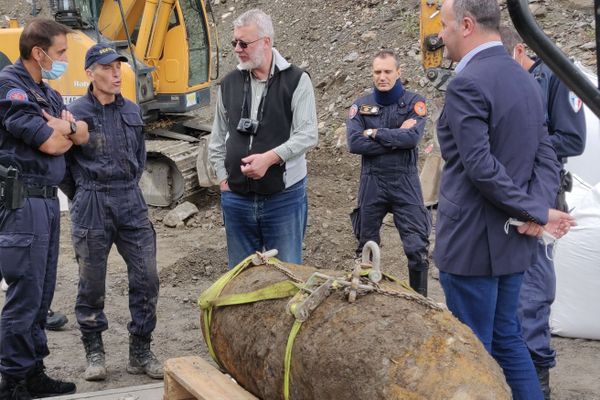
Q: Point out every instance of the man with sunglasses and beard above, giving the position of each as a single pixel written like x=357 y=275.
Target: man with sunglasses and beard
x=265 y=122
x=35 y=132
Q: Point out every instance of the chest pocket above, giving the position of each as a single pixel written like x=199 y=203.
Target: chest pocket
x=132 y=130
x=96 y=145
x=398 y=116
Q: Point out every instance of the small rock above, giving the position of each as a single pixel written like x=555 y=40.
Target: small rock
x=321 y=84
x=580 y=4
x=368 y=36
x=340 y=136
x=589 y=45
x=351 y=57
x=180 y=214
x=538 y=10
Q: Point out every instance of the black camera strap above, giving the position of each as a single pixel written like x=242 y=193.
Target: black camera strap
x=263 y=98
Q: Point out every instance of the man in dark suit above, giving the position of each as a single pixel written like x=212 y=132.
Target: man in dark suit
x=499 y=165
x=566 y=126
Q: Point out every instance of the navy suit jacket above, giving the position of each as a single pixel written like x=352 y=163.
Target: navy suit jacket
x=499 y=164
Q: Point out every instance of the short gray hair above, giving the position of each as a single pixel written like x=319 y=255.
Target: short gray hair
x=510 y=38
x=260 y=19
x=486 y=13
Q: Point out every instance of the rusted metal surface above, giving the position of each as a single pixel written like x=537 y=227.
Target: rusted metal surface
x=388 y=344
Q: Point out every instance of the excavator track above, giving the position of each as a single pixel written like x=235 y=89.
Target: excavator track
x=172 y=173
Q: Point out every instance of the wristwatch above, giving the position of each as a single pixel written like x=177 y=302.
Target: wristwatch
x=369 y=133
x=73 y=126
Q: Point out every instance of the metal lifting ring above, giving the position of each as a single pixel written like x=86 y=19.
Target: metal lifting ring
x=263 y=258
x=371 y=256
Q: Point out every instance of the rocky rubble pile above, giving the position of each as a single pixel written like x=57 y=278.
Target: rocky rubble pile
x=335 y=41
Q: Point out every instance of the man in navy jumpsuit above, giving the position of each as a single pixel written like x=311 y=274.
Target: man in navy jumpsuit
x=35 y=132
x=385 y=127
x=566 y=126
x=108 y=208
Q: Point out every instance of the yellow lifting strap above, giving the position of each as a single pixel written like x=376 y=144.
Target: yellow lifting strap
x=211 y=297
x=288 y=358
x=275 y=291
x=210 y=294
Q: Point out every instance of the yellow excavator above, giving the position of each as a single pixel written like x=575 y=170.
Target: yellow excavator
x=172 y=61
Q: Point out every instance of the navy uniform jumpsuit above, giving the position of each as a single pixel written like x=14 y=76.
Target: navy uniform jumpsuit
x=389 y=180
x=108 y=208
x=566 y=126
x=29 y=236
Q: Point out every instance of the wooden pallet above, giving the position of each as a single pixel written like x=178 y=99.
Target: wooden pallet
x=192 y=378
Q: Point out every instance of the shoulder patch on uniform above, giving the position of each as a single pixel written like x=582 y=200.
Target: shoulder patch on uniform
x=17 y=95
x=352 y=112
x=420 y=108
x=575 y=102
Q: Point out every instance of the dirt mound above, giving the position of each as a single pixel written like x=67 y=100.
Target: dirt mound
x=196 y=265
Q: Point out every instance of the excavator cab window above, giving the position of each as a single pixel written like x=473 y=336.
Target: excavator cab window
x=199 y=52
x=77 y=14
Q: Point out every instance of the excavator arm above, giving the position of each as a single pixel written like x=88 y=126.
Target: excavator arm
x=431 y=45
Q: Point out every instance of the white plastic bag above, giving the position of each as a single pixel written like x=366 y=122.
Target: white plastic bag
x=576 y=312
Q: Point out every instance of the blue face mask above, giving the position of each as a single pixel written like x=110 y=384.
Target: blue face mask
x=57 y=70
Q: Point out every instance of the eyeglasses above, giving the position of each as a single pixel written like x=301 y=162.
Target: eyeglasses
x=243 y=44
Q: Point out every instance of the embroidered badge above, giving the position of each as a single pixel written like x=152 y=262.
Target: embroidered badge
x=353 y=110
x=17 y=95
x=420 y=108
x=575 y=102
x=367 y=109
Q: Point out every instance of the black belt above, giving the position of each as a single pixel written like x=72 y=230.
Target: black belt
x=44 y=192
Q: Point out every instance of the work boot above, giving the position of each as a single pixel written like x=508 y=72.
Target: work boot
x=13 y=389
x=418 y=281
x=141 y=358
x=41 y=385
x=543 y=375
x=94 y=354
x=55 y=320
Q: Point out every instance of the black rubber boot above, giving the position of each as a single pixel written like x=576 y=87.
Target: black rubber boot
x=13 y=389
x=141 y=358
x=94 y=354
x=544 y=378
x=418 y=281
x=41 y=385
x=55 y=320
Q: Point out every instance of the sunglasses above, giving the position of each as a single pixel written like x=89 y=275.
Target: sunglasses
x=243 y=44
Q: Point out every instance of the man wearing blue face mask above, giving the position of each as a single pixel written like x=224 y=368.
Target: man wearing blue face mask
x=385 y=127
x=35 y=132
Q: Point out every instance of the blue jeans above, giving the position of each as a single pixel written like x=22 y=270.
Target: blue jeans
x=537 y=295
x=488 y=305
x=263 y=222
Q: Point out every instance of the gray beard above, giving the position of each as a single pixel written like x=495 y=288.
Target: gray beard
x=253 y=62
